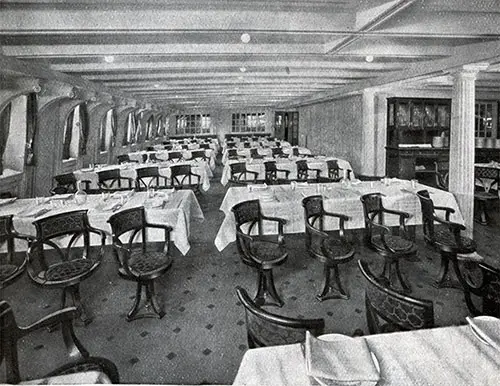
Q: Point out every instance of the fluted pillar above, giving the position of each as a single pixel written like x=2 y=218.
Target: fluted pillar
x=462 y=149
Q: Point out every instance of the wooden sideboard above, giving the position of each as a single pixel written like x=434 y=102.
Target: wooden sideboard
x=405 y=162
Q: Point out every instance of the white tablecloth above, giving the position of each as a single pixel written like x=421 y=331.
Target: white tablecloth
x=163 y=155
x=263 y=151
x=338 y=198
x=257 y=165
x=447 y=356
x=179 y=208
x=129 y=170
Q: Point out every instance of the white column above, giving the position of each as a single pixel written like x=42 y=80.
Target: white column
x=461 y=178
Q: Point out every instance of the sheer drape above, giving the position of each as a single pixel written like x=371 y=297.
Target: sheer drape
x=84 y=130
x=68 y=130
x=31 y=128
x=4 y=132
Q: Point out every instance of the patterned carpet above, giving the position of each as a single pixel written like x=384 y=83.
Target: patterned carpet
x=202 y=337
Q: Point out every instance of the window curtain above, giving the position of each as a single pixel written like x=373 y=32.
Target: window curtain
x=126 y=131
x=4 y=132
x=31 y=128
x=66 y=154
x=138 y=127
x=114 y=130
x=84 y=130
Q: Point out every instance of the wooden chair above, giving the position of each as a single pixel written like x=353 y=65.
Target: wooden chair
x=254 y=153
x=204 y=146
x=380 y=238
x=336 y=173
x=112 y=181
x=12 y=264
x=388 y=310
x=328 y=249
x=446 y=239
x=267 y=329
x=272 y=171
x=142 y=262
x=80 y=360
x=55 y=261
x=442 y=172
x=484 y=196
x=149 y=177
x=198 y=155
x=66 y=183
x=260 y=251
x=124 y=158
x=303 y=171
x=230 y=144
x=175 y=156
x=182 y=177
x=153 y=158
x=481 y=283
x=240 y=175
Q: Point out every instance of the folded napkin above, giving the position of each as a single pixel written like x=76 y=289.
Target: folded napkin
x=257 y=187
x=346 y=361
x=487 y=328
x=62 y=196
x=113 y=206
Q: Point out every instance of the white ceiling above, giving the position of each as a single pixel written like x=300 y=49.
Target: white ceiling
x=188 y=54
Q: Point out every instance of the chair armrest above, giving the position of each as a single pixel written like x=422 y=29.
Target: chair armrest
x=450 y=224
x=162 y=226
x=66 y=314
x=28 y=238
x=316 y=231
x=277 y=219
x=447 y=210
x=342 y=219
x=100 y=232
x=397 y=213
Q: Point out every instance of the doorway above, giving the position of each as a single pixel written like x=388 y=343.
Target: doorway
x=286 y=126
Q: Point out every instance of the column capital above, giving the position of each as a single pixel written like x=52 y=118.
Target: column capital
x=469 y=70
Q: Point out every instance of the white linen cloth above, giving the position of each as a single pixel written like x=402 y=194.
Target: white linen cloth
x=446 y=356
x=163 y=155
x=257 y=165
x=177 y=210
x=338 y=198
x=263 y=151
x=129 y=170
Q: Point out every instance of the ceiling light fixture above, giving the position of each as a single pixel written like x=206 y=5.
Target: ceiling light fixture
x=109 y=59
x=369 y=58
x=245 y=38
x=156 y=85
x=243 y=69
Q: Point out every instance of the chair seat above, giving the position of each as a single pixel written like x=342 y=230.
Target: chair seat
x=149 y=264
x=337 y=250
x=485 y=196
x=68 y=270
x=446 y=238
x=397 y=243
x=7 y=270
x=267 y=253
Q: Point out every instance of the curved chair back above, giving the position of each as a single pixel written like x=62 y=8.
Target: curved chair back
x=388 y=310
x=147 y=177
x=12 y=264
x=174 y=155
x=268 y=329
x=333 y=169
x=111 y=180
x=64 y=183
x=482 y=285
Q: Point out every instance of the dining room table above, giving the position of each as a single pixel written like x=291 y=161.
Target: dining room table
x=257 y=165
x=129 y=170
x=176 y=208
x=264 y=152
x=187 y=155
x=285 y=201
x=446 y=356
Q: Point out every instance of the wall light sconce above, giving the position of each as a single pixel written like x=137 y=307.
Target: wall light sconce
x=245 y=38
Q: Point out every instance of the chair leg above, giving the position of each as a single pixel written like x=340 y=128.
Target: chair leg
x=266 y=293
x=445 y=281
x=135 y=308
x=406 y=287
x=329 y=291
x=74 y=292
x=152 y=300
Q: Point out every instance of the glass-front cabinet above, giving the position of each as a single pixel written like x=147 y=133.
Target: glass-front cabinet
x=417 y=121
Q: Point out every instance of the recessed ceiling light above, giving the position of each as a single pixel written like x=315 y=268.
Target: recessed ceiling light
x=109 y=59
x=243 y=69
x=156 y=85
x=245 y=38
x=369 y=58
x=240 y=77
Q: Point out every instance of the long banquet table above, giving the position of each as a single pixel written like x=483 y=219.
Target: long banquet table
x=263 y=151
x=286 y=202
x=257 y=165
x=175 y=209
x=443 y=356
x=129 y=170
x=163 y=155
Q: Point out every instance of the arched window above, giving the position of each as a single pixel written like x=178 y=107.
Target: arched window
x=130 y=128
x=107 y=131
x=17 y=133
x=76 y=131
